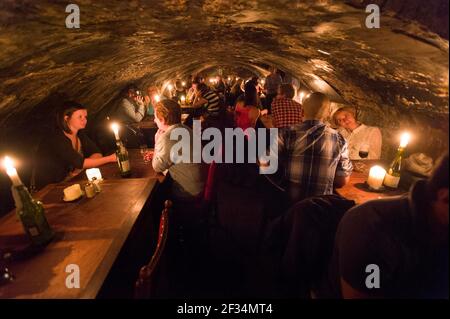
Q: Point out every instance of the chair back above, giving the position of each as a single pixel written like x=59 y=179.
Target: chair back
x=146 y=284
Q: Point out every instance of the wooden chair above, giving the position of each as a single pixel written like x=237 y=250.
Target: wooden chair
x=152 y=281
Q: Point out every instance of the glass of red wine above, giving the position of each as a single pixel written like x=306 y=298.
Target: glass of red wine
x=364 y=150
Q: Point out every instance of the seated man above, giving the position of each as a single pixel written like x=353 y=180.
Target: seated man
x=131 y=108
x=362 y=140
x=394 y=247
x=188 y=178
x=285 y=110
x=313 y=158
x=129 y=111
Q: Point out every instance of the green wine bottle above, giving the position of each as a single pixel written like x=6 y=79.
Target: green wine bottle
x=32 y=215
x=392 y=177
x=122 y=159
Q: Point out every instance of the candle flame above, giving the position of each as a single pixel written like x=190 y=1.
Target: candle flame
x=115 y=127
x=183 y=98
x=377 y=171
x=404 y=140
x=183 y=83
x=157 y=98
x=9 y=164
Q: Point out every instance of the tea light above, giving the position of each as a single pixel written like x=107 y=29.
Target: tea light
x=376 y=177
x=183 y=99
x=11 y=171
x=89 y=190
x=115 y=128
x=93 y=172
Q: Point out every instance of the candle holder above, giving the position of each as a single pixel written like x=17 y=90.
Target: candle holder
x=365 y=187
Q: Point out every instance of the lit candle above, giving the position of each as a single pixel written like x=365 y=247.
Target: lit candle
x=229 y=78
x=404 y=140
x=11 y=171
x=376 y=177
x=211 y=80
x=183 y=83
x=93 y=172
x=115 y=128
x=263 y=81
x=183 y=99
x=157 y=98
x=170 y=87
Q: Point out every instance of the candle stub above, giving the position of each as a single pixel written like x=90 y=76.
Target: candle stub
x=376 y=177
x=89 y=190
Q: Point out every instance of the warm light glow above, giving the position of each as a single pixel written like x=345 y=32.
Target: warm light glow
x=302 y=95
x=115 y=128
x=157 y=98
x=170 y=87
x=376 y=177
x=93 y=172
x=404 y=140
x=263 y=81
x=229 y=78
x=183 y=83
x=9 y=166
x=11 y=171
x=183 y=99
x=211 y=80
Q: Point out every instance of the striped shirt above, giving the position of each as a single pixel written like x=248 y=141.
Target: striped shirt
x=286 y=112
x=311 y=154
x=212 y=106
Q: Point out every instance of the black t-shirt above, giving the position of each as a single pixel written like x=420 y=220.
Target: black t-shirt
x=57 y=158
x=390 y=233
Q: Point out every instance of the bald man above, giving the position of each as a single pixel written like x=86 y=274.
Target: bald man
x=313 y=157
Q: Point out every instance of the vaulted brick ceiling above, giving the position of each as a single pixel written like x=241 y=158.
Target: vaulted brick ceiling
x=397 y=75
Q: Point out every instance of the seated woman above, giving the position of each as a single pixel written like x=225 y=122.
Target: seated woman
x=364 y=141
x=69 y=149
x=153 y=97
x=188 y=178
x=246 y=110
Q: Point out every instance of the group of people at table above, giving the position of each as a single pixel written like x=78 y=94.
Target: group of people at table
x=407 y=237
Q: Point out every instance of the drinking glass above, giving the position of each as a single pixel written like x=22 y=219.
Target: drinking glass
x=364 y=150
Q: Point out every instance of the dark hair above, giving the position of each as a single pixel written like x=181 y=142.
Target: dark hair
x=202 y=88
x=250 y=95
x=67 y=109
x=169 y=110
x=439 y=177
x=287 y=90
x=197 y=80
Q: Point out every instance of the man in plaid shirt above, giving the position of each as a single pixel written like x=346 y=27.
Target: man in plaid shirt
x=285 y=111
x=313 y=158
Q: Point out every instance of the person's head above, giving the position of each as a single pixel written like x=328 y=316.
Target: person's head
x=167 y=113
x=250 y=94
x=201 y=89
x=437 y=189
x=196 y=81
x=178 y=85
x=130 y=91
x=72 y=117
x=345 y=117
x=286 y=90
x=316 y=106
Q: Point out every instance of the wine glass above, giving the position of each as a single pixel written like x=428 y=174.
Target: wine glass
x=364 y=150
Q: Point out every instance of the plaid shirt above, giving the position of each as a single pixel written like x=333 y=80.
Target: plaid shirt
x=286 y=112
x=311 y=154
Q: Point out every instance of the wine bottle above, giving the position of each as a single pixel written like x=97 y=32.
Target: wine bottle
x=122 y=159
x=392 y=177
x=32 y=216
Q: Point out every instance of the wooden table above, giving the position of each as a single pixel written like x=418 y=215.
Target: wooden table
x=89 y=233
x=356 y=188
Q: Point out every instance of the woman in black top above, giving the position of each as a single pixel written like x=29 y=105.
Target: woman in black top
x=69 y=150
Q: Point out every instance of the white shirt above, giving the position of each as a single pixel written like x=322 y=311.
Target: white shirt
x=363 y=134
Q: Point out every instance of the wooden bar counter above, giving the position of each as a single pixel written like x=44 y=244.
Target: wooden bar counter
x=89 y=233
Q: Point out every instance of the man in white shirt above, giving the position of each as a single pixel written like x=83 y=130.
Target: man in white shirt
x=362 y=140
